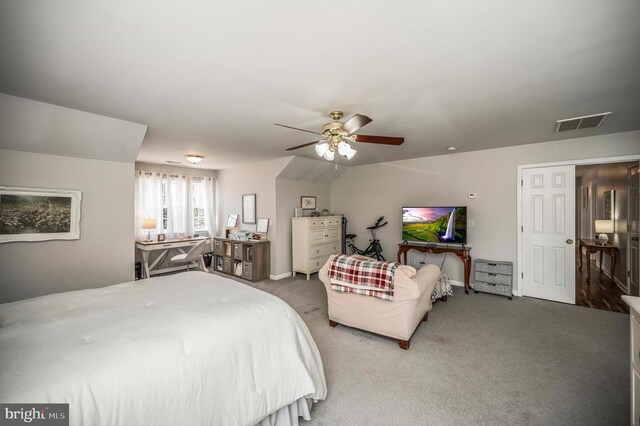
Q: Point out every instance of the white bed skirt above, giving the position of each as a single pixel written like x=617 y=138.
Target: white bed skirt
x=288 y=415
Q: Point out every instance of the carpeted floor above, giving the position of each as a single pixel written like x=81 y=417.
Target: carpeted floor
x=479 y=360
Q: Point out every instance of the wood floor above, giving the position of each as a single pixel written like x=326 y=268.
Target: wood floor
x=599 y=292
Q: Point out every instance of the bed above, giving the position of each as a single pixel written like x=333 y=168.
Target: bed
x=192 y=348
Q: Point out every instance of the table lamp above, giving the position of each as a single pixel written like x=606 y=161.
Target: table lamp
x=604 y=227
x=149 y=223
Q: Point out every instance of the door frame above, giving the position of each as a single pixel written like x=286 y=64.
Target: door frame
x=602 y=160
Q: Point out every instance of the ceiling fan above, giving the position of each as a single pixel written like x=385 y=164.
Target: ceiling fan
x=338 y=137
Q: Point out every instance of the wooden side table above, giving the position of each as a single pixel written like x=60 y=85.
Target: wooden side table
x=593 y=246
x=461 y=252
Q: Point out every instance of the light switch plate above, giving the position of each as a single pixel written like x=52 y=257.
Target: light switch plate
x=471 y=223
x=472 y=195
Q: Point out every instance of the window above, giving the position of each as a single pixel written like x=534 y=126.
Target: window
x=165 y=207
x=198 y=201
x=182 y=205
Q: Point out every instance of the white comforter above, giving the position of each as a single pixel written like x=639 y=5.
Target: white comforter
x=191 y=348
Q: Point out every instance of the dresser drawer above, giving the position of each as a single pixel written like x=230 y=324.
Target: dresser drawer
x=324 y=249
x=334 y=223
x=493 y=278
x=316 y=263
x=503 y=290
x=318 y=223
x=494 y=268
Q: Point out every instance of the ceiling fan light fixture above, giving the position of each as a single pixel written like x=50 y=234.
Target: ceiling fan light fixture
x=329 y=155
x=349 y=155
x=343 y=148
x=194 y=158
x=322 y=149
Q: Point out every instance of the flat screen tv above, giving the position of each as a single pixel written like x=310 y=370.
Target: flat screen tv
x=435 y=224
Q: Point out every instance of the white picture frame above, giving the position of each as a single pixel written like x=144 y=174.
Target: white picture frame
x=249 y=209
x=232 y=220
x=263 y=226
x=37 y=214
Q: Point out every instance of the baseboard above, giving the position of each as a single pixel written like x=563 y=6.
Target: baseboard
x=619 y=283
x=457 y=283
x=280 y=276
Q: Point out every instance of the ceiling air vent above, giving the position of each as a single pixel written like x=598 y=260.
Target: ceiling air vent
x=583 y=122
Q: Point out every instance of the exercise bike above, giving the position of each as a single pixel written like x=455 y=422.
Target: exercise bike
x=375 y=249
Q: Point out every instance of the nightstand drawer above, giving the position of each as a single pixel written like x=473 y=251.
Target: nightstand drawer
x=503 y=290
x=493 y=267
x=490 y=277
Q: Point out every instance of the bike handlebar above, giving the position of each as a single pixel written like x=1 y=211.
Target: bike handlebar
x=377 y=225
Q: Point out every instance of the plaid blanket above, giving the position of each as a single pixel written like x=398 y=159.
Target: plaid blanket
x=362 y=276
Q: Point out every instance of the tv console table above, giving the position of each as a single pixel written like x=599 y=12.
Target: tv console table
x=461 y=252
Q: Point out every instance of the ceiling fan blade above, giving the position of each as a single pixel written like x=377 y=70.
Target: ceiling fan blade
x=355 y=123
x=302 y=146
x=382 y=140
x=295 y=128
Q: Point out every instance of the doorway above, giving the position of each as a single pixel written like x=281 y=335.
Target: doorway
x=604 y=193
x=603 y=211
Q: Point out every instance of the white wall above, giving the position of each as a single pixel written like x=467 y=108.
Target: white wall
x=259 y=179
x=363 y=193
x=288 y=193
x=105 y=252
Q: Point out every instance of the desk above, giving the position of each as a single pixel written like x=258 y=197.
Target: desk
x=180 y=244
x=592 y=246
x=461 y=252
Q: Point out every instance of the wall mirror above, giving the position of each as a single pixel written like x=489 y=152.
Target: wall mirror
x=609 y=212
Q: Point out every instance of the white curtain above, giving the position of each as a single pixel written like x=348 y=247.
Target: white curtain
x=179 y=216
x=148 y=193
x=209 y=213
x=178 y=201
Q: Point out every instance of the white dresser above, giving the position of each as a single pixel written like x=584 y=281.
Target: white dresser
x=634 y=318
x=314 y=239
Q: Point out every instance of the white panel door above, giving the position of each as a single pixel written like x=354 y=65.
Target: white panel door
x=548 y=227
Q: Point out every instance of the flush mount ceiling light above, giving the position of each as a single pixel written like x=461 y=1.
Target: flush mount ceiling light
x=194 y=158
x=451 y=148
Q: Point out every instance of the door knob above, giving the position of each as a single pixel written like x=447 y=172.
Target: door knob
x=569 y=241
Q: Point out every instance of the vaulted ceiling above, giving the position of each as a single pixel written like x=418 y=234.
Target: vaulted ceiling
x=212 y=77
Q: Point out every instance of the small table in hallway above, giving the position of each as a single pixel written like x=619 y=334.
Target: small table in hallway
x=592 y=246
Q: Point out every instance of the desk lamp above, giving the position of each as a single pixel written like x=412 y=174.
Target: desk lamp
x=604 y=227
x=148 y=223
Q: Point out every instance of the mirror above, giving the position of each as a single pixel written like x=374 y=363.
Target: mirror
x=263 y=226
x=609 y=205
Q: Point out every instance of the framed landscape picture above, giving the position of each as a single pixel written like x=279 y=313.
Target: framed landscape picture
x=32 y=214
x=308 y=202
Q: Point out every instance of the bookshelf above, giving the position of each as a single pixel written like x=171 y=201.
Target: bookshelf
x=249 y=260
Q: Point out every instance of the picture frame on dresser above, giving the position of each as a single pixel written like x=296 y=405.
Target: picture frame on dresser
x=308 y=202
